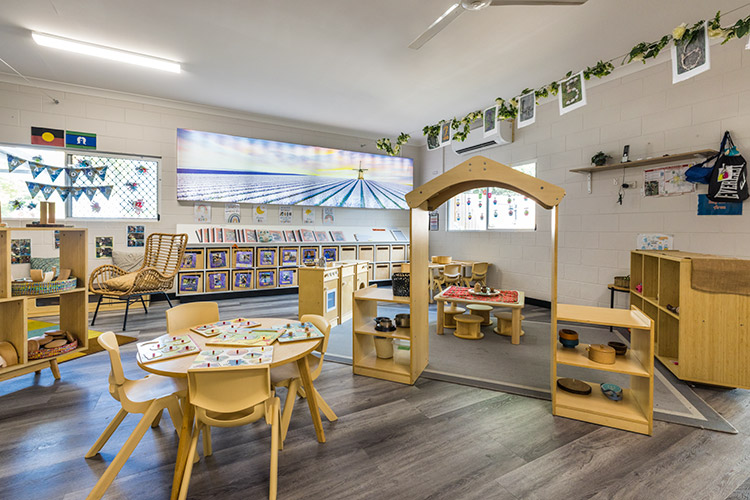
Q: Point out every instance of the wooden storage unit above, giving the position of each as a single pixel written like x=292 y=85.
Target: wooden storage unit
x=398 y=253
x=289 y=256
x=635 y=411
x=362 y=278
x=330 y=254
x=366 y=252
x=395 y=268
x=348 y=252
x=267 y=257
x=382 y=272
x=318 y=292
x=707 y=341
x=382 y=253
x=309 y=253
x=266 y=278
x=218 y=258
x=73 y=308
x=217 y=281
x=193 y=259
x=346 y=288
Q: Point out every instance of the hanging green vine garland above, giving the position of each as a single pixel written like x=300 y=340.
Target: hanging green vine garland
x=508 y=110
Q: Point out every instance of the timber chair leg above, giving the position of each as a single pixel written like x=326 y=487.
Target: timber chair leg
x=327 y=411
x=144 y=305
x=111 y=428
x=96 y=311
x=286 y=415
x=157 y=420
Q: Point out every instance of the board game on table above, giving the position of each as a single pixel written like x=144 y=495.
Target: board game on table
x=167 y=347
x=295 y=331
x=229 y=358
x=237 y=325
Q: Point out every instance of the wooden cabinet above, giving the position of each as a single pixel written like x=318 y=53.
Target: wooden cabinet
x=346 y=289
x=73 y=310
x=707 y=340
x=635 y=411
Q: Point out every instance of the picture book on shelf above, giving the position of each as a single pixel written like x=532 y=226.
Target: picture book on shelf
x=264 y=236
x=321 y=236
x=307 y=236
x=277 y=236
x=230 y=236
x=398 y=235
x=250 y=236
x=290 y=235
x=228 y=357
x=338 y=236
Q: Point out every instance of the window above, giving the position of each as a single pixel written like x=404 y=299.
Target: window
x=492 y=208
x=106 y=186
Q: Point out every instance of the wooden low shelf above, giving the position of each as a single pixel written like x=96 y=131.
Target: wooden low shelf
x=399 y=333
x=379 y=295
x=372 y=366
x=627 y=364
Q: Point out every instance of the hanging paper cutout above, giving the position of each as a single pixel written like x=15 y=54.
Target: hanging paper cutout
x=63 y=192
x=90 y=192
x=95 y=207
x=33 y=188
x=31 y=205
x=84 y=164
x=106 y=191
x=54 y=172
x=141 y=169
x=76 y=192
x=47 y=191
x=137 y=206
x=132 y=185
x=14 y=162
x=16 y=205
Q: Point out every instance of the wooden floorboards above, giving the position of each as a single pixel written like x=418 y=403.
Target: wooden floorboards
x=432 y=440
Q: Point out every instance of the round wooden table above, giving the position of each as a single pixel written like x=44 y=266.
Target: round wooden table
x=282 y=354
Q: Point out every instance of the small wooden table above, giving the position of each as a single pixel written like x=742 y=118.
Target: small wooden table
x=516 y=308
x=282 y=354
x=612 y=289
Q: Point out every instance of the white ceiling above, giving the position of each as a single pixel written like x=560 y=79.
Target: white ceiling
x=339 y=63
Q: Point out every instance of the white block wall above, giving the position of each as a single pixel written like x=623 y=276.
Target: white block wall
x=146 y=126
x=638 y=106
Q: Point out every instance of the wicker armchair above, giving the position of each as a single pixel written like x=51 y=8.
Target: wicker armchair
x=161 y=262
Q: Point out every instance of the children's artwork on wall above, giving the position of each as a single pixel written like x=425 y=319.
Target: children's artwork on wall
x=135 y=236
x=654 y=242
x=572 y=94
x=266 y=257
x=708 y=207
x=288 y=256
x=308 y=215
x=307 y=236
x=691 y=56
x=103 y=247
x=232 y=213
x=330 y=253
x=337 y=236
x=243 y=280
x=266 y=279
x=260 y=214
x=201 y=212
x=218 y=258
x=217 y=282
x=321 y=236
x=526 y=109
x=277 y=236
x=328 y=216
x=20 y=251
x=666 y=181
x=189 y=283
x=290 y=235
x=309 y=255
x=243 y=258
x=286 y=277
x=264 y=236
x=285 y=214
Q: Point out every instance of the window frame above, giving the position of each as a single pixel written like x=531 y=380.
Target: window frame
x=450 y=206
x=68 y=204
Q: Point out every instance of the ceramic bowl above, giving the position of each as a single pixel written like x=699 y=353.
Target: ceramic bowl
x=568 y=334
x=568 y=342
x=619 y=347
x=612 y=391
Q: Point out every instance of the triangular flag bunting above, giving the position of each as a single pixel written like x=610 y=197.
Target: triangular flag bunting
x=47 y=191
x=73 y=174
x=101 y=171
x=54 y=172
x=106 y=191
x=90 y=173
x=33 y=188
x=90 y=192
x=76 y=192
x=36 y=169
x=14 y=162
x=63 y=192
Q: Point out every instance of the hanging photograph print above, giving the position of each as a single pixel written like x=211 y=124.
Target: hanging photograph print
x=526 y=110
x=445 y=134
x=690 y=55
x=572 y=93
x=433 y=142
x=490 y=121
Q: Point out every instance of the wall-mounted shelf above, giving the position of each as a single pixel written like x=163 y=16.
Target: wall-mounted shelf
x=660 y=160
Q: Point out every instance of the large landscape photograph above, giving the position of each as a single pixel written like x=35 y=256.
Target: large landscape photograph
x=226 y=168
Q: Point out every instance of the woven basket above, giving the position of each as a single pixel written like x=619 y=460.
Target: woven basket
x=51 y=353
x=622 y=281
x=43 y=288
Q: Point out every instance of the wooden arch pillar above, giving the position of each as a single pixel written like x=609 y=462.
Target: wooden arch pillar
x=476 y=172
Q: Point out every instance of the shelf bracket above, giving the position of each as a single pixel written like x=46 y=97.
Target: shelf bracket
x=588 y=182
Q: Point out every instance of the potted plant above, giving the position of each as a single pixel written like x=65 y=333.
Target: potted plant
x=600 y=158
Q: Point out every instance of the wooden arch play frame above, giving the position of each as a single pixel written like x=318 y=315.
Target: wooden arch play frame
x=476 y=172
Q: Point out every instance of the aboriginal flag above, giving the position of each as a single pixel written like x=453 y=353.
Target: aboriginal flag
x=48 y=136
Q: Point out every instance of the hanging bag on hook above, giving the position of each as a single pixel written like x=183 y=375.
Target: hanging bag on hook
x=700 y=173
x=728 y=181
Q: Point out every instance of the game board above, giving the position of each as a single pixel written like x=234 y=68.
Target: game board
x=245 y=338
x=237 y=325
x=243 y=356
x=167 y=347
x=292 y=332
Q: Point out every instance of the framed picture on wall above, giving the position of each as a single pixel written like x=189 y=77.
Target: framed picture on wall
x=289 y=256
x=217 y=281
x=242 y=280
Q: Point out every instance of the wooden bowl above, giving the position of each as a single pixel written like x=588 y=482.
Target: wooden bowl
x=619 y=347
x=600 y=353
x=568 y=334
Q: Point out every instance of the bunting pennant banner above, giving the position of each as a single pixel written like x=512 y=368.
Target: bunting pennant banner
x=47 y=191
x=63 y=192
x=106 y=191
x=36 y=169
x=90 y=173
x=90 y=192
x=33 y=188
x=76 y=192
x=101 y=172
x=73 y=174
x=54 y=172
x=14 y=162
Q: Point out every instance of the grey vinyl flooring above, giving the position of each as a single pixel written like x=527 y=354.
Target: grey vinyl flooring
x=432 y=440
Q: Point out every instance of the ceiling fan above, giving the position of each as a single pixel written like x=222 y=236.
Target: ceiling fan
x=473 y=5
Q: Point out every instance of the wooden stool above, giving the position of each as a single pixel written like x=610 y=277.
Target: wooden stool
x=467 y=327
x=449 y=313
x=505 y=324
x=482 y=311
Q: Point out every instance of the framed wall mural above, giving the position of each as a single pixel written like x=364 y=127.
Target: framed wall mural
x=219 y=167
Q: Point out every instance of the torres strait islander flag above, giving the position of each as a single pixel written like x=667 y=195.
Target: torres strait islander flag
x=48 y=136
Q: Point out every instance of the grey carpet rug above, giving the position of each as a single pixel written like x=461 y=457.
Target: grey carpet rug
x=494 y=363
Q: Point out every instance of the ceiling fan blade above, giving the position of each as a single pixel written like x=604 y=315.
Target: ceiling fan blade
x=495 y=3
x=453 y=12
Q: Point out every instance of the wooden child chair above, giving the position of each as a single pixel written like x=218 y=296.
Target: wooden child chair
x=191 y=314
x=478 y=274
x=148 y=396
x=231 y=397
x=288 y=376
x=451 y=275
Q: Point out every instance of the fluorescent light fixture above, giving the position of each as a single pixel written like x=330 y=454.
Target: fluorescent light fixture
x=89 y=49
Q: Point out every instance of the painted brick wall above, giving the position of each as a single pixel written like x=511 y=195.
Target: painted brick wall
x=636 y=105
x=145 y=126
